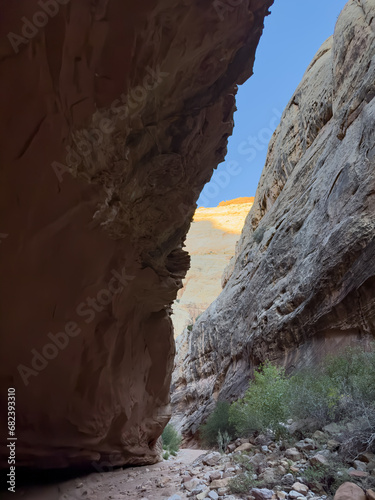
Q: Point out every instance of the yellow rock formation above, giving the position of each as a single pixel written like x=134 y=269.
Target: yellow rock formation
x=211 y=243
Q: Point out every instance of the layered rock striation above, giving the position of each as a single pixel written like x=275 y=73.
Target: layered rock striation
x=114 y=115
x=303 y=282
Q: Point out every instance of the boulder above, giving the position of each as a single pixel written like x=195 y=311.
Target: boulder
x=349 y=491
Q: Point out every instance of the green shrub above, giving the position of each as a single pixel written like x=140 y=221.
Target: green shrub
x=171 y=440
x=166 y=455
x=217 y=422
x=341 y=388
x=353 y=373
x=242 y=483
x=265 y=404
x=334 y=390
x=314 y=395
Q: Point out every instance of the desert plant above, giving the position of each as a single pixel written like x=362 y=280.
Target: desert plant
x=223 y=439
x=265 y=404
x=244 y=481
x=361 y=434
x=336 y=389
x=217 y=422
x=330 y=476
x=314 y=395
x=171 y=440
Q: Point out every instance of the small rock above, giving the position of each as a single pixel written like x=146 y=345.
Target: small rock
x=306 y=444
x=300 y=488
x=333 y=445
x=359 y=465
x=244 y=447
x=357 y=473
x=211 y=459
x=231 y=447
x=366 y=457
x=294 y=495
x=288 y=479
x=257 y=459
x=199 y=488
x=203 y=495
x=262 y=439
x=220 y=483
x=213 y=495
x=293 y=454
x=175 y=497
x=318 y=459
x=192 y=484
x=265 y=449
x=268 y=476
x=333 y=429
x=261 y=494
x=216 y=474
x=349 y=491
x=319 y=436
x=281 y=495
x=223 y=491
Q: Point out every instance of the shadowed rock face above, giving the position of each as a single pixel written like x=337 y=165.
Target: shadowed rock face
x=304 y=278
x=114 y=115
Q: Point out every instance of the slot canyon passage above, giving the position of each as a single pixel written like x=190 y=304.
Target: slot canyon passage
x=114 y=116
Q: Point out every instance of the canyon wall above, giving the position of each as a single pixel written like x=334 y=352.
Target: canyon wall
x=210 y=242
x=303 y=283
x=114 y=115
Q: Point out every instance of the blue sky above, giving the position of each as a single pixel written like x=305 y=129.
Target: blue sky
x=293 y=34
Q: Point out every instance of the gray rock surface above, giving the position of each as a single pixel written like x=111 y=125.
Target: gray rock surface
x=304 y=275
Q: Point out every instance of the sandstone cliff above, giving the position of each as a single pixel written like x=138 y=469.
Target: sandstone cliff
x=304 y=276
x=114 y=115
x=210 y=242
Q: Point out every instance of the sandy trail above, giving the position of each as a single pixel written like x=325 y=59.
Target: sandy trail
x=154 y=482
